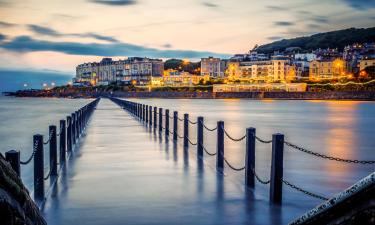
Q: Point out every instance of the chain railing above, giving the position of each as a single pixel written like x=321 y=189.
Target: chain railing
x=193 y=123
x=209 y=153
x=213 y=129
x=234 y=139
x=276 y=181
x=49 y=138
x=76 y=124
x=233 y=167
x=327 y=156
x=304 y=191
x=257 y=177
x=31 y=156
x=262 y=140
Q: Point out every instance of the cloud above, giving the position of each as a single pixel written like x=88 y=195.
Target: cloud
x=209 y=4
x=25 y=44
x=53 y=33
x=284 y=23
x=96 y=36
x=274 y=38
x=43 y=30
x=360 y=4
x=320 y=19
x=115 y=2
x=2 y=37
x=167 y=45
x=276 y=8
x=6 y=24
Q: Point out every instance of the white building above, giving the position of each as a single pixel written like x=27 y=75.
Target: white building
x=212 y=67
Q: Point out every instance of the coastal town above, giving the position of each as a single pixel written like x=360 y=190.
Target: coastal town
x=290 y=70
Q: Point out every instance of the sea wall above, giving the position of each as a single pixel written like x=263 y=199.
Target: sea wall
x=325 y=95
x=349 y=95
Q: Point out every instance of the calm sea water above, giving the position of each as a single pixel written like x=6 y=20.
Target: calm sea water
x=344 y=129
x=21 y=118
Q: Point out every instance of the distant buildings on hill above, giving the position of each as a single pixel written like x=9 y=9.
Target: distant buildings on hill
x=250 y=68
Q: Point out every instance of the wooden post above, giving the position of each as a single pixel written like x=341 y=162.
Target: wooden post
x=72 y=124
x=167 y=122
x=186 y=129
x=69 y=134
x=200 y=137
x=62 y=142
x=13 y=157
x=143 y=113
x=175 y=125
x=250 y=158
x=220 y=146
x=38 y=167
x=146 y=117
x=160 y=119
x=53 y=150
x=276 y=185
x=155 y=114
x=150 y=115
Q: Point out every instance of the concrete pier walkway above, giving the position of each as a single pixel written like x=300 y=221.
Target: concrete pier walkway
x=123 y=173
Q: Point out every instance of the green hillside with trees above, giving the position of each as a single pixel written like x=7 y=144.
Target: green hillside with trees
x=334 y=39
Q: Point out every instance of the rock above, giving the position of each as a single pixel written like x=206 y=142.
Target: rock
x=16 y=205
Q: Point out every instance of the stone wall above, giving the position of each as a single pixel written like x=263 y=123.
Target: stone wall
x=16 y=205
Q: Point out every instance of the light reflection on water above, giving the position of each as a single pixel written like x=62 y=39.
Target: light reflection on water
x=339 y=128
x=344 y=129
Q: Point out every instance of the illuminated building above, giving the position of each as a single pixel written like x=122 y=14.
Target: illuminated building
x=290 y=87
x=212 y=67
x=327 y=69
x=364 y=63
x=177 y=78
x=134 y=70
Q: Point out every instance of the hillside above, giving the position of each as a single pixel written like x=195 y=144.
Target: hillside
x=334 y=39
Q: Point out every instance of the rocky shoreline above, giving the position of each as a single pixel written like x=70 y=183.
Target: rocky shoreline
x=326 y=95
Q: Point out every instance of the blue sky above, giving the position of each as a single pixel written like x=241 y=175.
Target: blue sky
x=57 y=35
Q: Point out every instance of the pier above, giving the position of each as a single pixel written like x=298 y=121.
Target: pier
x=98 y=174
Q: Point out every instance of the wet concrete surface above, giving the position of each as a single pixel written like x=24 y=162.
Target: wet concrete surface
x=123 y=172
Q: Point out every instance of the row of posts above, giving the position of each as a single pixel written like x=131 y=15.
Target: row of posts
x=69 y=133
x=144 y=113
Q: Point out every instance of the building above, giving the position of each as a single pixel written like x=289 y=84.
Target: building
x=175 y=78
x=86 y=73
x=364 y=63
x=289 y=87
x=212 y=67
x=327 y=69
x=134 y=70
x=278 y=69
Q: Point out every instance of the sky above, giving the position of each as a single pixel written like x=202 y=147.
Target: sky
x=56 y=35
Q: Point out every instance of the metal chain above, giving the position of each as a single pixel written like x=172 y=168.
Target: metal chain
x=49 y=138
x=258 y=178
x=232 y=138
x=232 y=167
x=326 y=156
x=193 y=122
x=180 y=119
x=191 y=141
x=209 y=128
x=32 y=155
x=304 y=191
x=208 y=153
x=263 y=141
x=59 y=132
x=49 y=174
